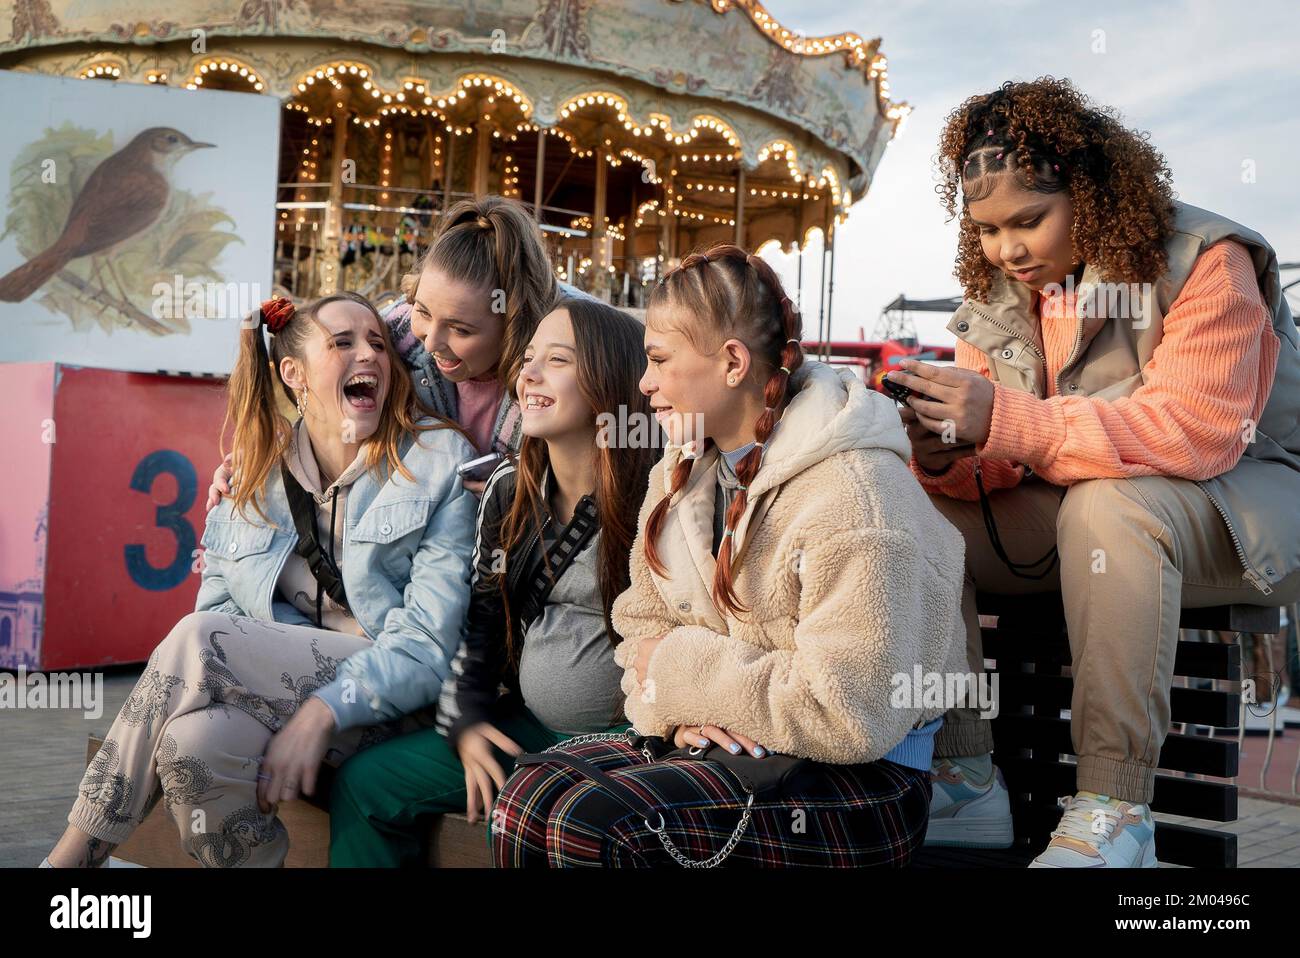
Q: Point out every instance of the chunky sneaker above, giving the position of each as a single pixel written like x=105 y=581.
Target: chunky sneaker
x=1096 y=832
x=964 y=815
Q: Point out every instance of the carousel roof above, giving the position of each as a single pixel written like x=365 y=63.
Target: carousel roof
x=835 y=88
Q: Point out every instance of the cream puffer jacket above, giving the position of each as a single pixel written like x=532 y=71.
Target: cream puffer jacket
x=850 y=574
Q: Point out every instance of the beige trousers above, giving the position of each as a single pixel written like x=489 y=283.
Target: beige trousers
x=1133 y=552
x=196 y=726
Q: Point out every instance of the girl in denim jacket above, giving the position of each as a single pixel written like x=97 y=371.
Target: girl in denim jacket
x=319 y=629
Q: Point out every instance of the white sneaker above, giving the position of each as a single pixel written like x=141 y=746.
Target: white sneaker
x=1096 y=834
x=963 y=815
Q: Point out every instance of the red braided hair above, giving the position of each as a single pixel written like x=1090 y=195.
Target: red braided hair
x=729 y=293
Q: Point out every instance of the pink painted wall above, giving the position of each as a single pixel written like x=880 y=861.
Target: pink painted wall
x=27 y=434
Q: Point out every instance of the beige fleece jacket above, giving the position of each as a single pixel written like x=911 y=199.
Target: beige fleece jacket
x=851 y=576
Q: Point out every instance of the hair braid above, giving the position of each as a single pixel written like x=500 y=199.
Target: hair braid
x=751 y=286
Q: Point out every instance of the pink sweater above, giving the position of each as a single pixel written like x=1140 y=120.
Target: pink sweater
x=1213 y=370
x=479 y=401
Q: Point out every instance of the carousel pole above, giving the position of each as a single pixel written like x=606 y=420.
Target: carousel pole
x=821 y=294
x=448 y=167
x=329 y=265
x=540 y=176
x=740 y=205
x=830 y=288
x=798 y=247
x=598 y=227
x=631 y=274
x=666 y=224
x=482 y=153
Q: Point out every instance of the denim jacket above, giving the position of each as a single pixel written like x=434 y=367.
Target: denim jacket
x=406 y=571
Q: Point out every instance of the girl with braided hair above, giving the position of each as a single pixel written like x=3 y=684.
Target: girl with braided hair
x=1122 y=426
x=786 y=571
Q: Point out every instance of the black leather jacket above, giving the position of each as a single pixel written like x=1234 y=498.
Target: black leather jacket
x=485 y=668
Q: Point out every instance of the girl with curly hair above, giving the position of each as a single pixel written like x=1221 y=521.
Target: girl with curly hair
x=1122 y=425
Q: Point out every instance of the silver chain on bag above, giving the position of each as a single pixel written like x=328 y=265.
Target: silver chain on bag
x=661 y=832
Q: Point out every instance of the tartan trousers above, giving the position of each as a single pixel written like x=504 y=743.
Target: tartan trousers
x=841 y=816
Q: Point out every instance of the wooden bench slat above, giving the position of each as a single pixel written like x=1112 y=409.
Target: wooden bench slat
x=1233 y=618
x=1181 y=753
x=1195 y=847
x=1196 y=706
x=1211 y=801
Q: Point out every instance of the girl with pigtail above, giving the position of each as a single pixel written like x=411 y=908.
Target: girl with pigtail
x=788 y=570
x=334 y=591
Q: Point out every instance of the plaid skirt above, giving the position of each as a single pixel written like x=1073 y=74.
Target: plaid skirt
x=839 y=816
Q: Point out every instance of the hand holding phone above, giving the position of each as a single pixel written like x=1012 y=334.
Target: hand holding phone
x=479 y=469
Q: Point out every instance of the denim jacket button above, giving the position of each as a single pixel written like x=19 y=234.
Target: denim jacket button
x=234 y=547
x=424 y=380
x=963 y=326
x=386 y=528
x=1008 y=353
x=1074 y=387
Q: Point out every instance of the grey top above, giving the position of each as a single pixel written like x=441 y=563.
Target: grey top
x=567 y=673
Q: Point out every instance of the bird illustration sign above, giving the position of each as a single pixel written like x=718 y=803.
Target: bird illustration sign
x=129 y=240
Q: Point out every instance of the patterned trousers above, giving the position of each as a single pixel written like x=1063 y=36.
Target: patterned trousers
x=195 y=728
x=843 y=816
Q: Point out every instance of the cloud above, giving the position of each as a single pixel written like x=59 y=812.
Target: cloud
x=1213 y=87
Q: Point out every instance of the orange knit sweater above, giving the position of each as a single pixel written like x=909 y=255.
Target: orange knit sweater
x=1212 y=371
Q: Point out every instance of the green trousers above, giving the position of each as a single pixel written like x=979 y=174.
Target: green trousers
x=382 y=792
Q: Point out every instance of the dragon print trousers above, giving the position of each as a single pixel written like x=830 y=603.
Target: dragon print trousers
x=195 y=727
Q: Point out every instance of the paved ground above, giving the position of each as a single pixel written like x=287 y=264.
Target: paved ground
x=42 y=756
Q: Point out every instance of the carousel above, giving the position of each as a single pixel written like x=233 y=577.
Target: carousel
x=633 y=130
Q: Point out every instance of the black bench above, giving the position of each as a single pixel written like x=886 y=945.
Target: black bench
x=1030 y=649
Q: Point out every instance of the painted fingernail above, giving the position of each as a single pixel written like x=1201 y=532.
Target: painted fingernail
x=735 y=749
x=704 y=741
x=759 y=751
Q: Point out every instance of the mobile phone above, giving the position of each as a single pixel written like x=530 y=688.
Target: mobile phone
x=898 y=390
x=478 y=469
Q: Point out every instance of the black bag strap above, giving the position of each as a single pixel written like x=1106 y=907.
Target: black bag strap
x=303 y=508
x=560 y=555
x=616 y=789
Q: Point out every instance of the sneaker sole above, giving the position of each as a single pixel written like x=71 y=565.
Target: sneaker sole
x=970 y=833
x=1148 y=860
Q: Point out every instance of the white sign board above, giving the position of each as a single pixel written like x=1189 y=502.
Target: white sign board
x=138 y=222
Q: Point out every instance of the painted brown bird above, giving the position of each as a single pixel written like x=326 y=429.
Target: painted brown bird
x=125 y=194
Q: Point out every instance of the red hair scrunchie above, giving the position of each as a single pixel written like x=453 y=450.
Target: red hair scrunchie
x=276 y=313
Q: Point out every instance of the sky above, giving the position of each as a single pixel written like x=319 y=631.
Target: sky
x=1216 y=85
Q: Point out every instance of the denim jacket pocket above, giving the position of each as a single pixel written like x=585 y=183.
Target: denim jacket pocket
x=236 y=538
x=393 y=520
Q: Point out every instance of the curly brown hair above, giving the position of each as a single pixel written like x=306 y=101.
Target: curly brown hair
x=1055 y=140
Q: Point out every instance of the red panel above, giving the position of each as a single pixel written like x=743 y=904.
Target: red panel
x=119 y=563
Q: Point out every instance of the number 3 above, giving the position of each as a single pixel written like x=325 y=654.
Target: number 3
x=170 y=516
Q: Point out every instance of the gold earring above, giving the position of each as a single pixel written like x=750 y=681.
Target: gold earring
x=302 y=412
x=731 y=380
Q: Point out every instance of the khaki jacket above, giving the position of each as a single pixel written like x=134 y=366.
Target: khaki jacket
x=1259 y=498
